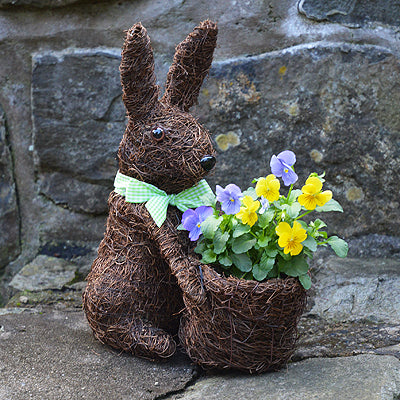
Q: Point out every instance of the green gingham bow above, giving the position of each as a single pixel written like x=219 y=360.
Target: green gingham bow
x=157 y=200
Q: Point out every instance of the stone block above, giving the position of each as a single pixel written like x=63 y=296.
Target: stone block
x=44 y=273
x=363 y=377
x=354 y=13
x=357 y=289
x=78 y=119
x=9 y=215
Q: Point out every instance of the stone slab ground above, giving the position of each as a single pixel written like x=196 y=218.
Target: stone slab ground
x=51 y=354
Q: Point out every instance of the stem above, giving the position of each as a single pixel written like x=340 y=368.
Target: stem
x=304 y=214
x=290 y=191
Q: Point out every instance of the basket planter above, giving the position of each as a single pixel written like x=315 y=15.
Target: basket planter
x=243 y=324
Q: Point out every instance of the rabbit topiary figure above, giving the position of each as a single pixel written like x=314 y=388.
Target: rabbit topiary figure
x=144 y=267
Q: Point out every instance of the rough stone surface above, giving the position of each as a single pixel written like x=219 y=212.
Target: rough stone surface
x=9 y=217
x=44 y=273
x=306 y=99
x=36 y=3
x=354 y=13
x=353 y=289
x=74 y=194
x=327 y=338
x=78 y=124
x=52 y=355
x=345 y=378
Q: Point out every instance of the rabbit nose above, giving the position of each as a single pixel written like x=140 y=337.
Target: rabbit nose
x=208 y=162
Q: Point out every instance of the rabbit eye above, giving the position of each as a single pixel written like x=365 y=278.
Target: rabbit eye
x=158 y=134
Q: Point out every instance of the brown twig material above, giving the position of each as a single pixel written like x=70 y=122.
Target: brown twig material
x=134 y=295
x=243 y=324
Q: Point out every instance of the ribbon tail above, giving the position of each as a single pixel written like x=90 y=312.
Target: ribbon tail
x=157 y=207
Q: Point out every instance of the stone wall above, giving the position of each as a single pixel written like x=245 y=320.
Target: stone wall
x=321 y=78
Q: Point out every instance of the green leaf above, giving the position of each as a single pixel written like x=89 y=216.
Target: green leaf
x=339 y=246
x=219 y=241
x=242 y=262
x=209 y=199
x=302 y=223
x=208 y=257
x=225 y=260
x=266 y=262
x=266 y=218
x=296 y=266
x=180 y=228
x=263 y=241
x=318 y=224
x=331 y=205
x=240 y=230
x=243 y=243
x=251 y=192
x=258 y=273
x=271 y=252
x=310 y=243
x=323 y=234
x=293 y=210
x=305 y=280
x=210 y=225
x=201 y=246
x=294 y=195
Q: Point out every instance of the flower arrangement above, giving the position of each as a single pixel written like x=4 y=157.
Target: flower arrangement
x=260 y=233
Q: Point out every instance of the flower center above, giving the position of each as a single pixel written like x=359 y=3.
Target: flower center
x=286 y=170
x=232 y=200
x=198 y=225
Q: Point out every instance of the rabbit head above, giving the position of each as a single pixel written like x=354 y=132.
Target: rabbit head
x=163 y=144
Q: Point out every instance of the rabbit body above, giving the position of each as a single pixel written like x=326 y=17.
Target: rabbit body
x=143 y=272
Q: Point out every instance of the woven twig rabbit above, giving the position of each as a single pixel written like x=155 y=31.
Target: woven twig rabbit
x=144 y=269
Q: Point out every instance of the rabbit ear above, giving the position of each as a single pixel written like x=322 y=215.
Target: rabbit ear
x=140 y=91
x=191 y=63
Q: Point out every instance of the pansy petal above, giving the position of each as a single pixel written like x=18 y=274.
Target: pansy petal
x=299 y=233
x=189 y=219
x=261 y=187
x=234 y=191
x=222 y=195
x=247 y=201
x=316 y=182
x=231 y=207
x=252 y=218
x=288 y=157
x=309 y=189
x=276 y=166
x=289 y=176
x=204 y=212
x=283 y=228
x=323 y=198
x=195 y=233
x=295 y=248
x=272 y=183
x=307 y=201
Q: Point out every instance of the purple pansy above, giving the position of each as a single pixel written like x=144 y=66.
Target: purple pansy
x=264 y=205
x=229 y=198
x=192 y=219
x=281 y=166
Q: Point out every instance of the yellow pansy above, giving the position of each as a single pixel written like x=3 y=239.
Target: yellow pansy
x=290 y=238
x=312 y=195
x=268 y=187
x=247 y=213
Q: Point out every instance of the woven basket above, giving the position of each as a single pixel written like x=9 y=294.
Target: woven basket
x=245 y=325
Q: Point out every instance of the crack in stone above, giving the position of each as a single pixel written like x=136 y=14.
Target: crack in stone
x=195 y=378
